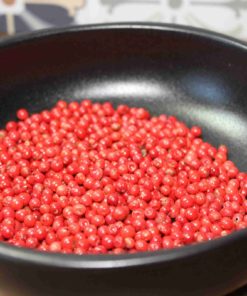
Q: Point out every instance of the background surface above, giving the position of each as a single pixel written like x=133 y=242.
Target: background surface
x=226 y=16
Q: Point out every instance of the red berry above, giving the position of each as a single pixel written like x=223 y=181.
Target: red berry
x=85 y=178
x=22 y=114
x=127 y=231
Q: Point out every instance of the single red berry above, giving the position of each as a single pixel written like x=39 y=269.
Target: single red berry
x=22 y=114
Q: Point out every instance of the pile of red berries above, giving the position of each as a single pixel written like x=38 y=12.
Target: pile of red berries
x=85 y=178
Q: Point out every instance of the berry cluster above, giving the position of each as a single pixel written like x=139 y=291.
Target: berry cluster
x=85 y=178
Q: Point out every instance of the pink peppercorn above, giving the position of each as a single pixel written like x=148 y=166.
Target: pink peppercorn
x=85 y=178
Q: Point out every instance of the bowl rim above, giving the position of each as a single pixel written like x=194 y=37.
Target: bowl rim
x=195 y=31
x=27 y=256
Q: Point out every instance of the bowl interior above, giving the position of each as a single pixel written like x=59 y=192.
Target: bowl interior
x=198 y=77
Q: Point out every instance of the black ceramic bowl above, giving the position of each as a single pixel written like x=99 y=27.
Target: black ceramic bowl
x=199 y=76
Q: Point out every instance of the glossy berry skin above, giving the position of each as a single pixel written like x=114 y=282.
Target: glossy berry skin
x=85 y=178
x=22 y=114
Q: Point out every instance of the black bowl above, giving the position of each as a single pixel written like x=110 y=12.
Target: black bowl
x=196 y=75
